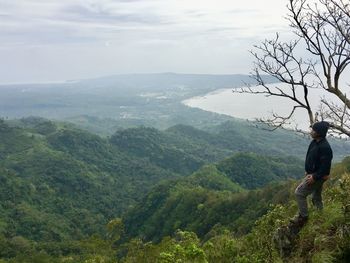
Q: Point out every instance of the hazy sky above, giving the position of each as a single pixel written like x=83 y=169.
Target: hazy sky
x=52 y=40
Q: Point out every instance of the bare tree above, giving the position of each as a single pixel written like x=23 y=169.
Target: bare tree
x=322 y=27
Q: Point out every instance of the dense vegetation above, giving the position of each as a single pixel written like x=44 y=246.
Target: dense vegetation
x=203 y=201
x=252 y=171
x=67 y=176
x=325 y=238
x=61 y=187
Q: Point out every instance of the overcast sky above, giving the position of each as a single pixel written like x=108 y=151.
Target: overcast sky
x=57 y=40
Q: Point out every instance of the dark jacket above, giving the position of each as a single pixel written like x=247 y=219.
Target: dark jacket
x=318 y=159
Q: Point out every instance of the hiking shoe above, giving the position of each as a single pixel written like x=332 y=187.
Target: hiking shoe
x=298 y=220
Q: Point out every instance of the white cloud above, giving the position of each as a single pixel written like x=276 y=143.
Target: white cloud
x=192 y=35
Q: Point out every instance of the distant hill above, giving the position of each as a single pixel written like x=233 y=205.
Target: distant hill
x=106 y=104
x=252 y=137
x=164 y=81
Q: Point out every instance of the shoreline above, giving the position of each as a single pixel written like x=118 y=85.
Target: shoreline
x=249 y=106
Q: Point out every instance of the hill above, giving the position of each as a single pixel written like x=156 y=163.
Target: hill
x=119 y=101
x=67 y=176
x=84 y=180
x=198 y=203
x=60 y=186
x=253 y=171
x=325 y=238
x=183 y=145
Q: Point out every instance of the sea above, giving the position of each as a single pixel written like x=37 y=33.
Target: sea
x=258 y=106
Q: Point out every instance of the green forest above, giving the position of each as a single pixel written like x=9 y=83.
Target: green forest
x=183 y=194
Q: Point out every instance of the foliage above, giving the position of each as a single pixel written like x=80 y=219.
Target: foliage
x=115 y=229
x=325 y=238
x=60 y=189
x=154 y=145
x=252 y=171
x=184 y=247
x=66 y=184
x=198 y=203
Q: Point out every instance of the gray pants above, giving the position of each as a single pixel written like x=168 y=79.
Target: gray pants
x=303 y=190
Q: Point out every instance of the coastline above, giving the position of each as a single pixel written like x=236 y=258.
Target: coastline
x=251 y=106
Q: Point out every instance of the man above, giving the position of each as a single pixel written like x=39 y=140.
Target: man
x=317 y=168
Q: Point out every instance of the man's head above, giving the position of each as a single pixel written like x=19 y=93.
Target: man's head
x=319 y=129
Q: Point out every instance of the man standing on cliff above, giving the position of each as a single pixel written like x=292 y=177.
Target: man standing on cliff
x=317 y=168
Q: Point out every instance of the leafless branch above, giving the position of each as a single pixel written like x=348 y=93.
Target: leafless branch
x=324 y=31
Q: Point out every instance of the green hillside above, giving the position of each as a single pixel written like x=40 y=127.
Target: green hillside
x=198 y=203
x=61 y=187
x=156 y=147
x=68 y=176
x=84 y=180
x=252 y=137
x=325 y=238
x=253 y=171
x=188 y=148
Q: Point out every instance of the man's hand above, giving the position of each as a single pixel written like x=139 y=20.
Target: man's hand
x=309 y=179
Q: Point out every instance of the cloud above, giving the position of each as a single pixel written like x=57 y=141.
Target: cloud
x=173 y=34
x=91 y=20
x=100 y=14
x=74 y=21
